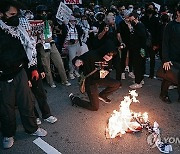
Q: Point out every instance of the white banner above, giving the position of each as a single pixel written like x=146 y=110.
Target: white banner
x=64 y=12
x=73 y=1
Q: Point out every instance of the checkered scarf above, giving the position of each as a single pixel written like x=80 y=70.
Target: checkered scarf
x=27 y=42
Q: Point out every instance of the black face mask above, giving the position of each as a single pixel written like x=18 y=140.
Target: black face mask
x=12 y=21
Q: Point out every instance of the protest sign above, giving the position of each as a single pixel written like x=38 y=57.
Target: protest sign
x=72 y=1
x=64 y=12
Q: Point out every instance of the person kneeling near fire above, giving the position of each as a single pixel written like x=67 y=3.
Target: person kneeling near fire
x=88 y=62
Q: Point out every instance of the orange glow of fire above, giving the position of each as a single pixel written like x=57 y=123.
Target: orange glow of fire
x=121 y=121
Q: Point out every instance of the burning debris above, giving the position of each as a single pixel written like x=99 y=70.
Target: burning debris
x=126 y=121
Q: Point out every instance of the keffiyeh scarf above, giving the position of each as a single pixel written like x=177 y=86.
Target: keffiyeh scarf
x=27 y=42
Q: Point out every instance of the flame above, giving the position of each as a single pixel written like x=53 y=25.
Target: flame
x=121 y=121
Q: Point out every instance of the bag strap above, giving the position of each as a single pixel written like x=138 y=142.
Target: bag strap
x=91 y=73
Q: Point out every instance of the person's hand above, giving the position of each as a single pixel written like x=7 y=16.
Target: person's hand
x=78 y=63
x=167 y=65
x=29 y=84
x=43 y=75
x=35 y=75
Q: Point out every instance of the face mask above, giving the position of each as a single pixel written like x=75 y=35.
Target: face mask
x=138 y=12
x=12 y=21
x=131 y=9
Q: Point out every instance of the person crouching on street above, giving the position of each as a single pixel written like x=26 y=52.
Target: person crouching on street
x=87 y=62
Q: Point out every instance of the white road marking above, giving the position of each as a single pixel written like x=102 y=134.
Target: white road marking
x=45 y=146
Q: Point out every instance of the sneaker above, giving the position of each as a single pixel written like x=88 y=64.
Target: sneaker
x=127 y=69
x=123 y=76
x=51 y=119
x=8 y=142
x=71 y=96
x=38 y=121
x=71 y=76
x=131 y=75
x=53 y=86
x=105 y=100
x=77 y=74
x=172 y=87
x=40 y=132
x=136 y=86
x=67 y=83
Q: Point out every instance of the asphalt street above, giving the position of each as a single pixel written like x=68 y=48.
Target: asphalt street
x=79 y=131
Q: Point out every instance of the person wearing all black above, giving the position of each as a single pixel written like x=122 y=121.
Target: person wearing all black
x=124 y=30
x=110 y=32
x=164 y=19
x=137 y=49
x=151 y=23
x=171 y=54
x=16 y=54
x=86 y=62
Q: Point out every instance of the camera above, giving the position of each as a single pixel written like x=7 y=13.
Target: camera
x=72 y=41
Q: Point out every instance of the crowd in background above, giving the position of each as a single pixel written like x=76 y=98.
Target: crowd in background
x=135 y=34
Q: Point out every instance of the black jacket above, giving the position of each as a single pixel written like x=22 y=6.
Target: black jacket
x=171 y=42
x=89 y=58
x=138 y=37
x=152 y=25
x=12 y=54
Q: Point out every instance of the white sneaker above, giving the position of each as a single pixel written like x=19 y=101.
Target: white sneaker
x=67 y=83
x=123 y=76
x=77 y=74
x=53 y=86
x=71 y=75
x=38 y=121
x=131 y=75
x=136 y=86
x=8 y=142
x=51 y=119
x=172 y=87
x=40 y=132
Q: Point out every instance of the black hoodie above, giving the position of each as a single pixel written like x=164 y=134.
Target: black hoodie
x=89 y=58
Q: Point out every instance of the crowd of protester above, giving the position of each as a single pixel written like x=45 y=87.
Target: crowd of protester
x=120 y=38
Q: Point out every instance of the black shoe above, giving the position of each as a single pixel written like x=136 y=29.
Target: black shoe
x=71 y=96
x=105 y=99
x=165 y=99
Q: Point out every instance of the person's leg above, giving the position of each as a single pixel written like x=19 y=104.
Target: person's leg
x=117 y=66
x=45 y=57
x=138 y=68
x=152 y=62
x=93 y=104
x=110 y=84
x=25 y=102
x=41 y=98
x=72 y=54
x=123 y=59
x=58 y=62
x=7 y=108
x=164 y=87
